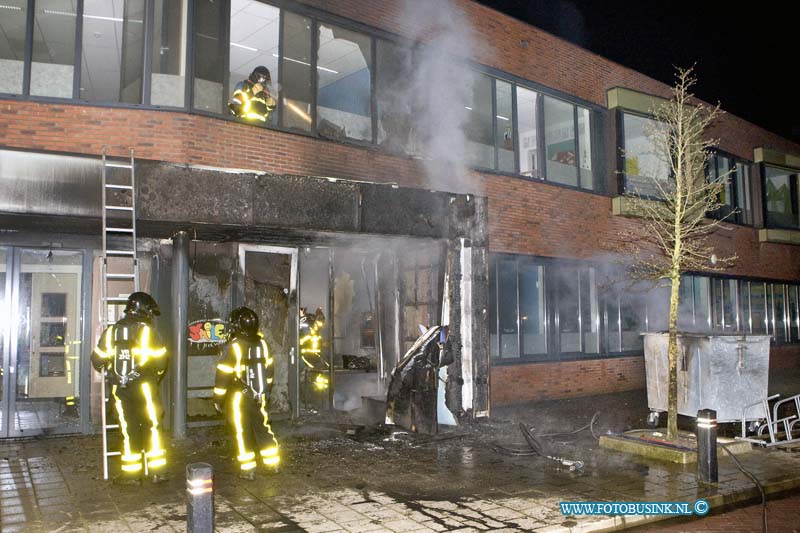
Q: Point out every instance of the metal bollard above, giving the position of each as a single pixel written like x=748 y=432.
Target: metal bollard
x=199 y=498
x=707 y=468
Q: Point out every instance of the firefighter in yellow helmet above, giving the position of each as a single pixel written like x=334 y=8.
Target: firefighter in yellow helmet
x=135 y=360
x=315 y=368
x=241 y=390
x=251 y=98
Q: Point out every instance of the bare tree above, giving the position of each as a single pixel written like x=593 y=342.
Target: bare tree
x=673 y=235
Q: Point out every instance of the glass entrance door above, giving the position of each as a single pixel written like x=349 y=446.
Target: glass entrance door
x=42 y=304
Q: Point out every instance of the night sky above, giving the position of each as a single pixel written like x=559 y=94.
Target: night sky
x=746 y=54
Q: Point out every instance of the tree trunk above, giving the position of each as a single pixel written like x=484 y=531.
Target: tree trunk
x=672 y=350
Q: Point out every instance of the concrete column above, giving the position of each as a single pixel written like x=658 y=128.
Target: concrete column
x=180 y=308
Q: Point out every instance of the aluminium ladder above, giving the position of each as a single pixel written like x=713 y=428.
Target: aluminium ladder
x=119 y=264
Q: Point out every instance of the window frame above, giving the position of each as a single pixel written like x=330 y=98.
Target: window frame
x=739 y=216
x=795 y=204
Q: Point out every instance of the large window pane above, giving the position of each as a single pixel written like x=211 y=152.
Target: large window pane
x=394 y=83
x=568 y=294
x=113 y=51
x=478 y=122
x=532 y=309
x=559 y=137
x=254 y=42
x=494 y=340
x=585 y=148
x=743 y=193
x=13 y=22
x=296 y=63
x=686 y=303
x=794 y=313
x=632 y=312
x=507 y=307
x=746 y=321
x=758 y=307
x=590 y=318
x=505 y=127
x=209 y=55
x=643 y=163
x=168 y=82
x=779 y=310
x=724 y=298
x=527 y=119
x=702 y=304
x=782 y=198
x=721 y=169
x=53 y=63
x=344 y=62
x=613 y=322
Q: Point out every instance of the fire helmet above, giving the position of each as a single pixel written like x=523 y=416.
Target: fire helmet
x=260 y=75
x=142 y=305
x=243 y=321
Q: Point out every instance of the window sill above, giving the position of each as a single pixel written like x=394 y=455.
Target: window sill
x=563 y=358
x=779 y=236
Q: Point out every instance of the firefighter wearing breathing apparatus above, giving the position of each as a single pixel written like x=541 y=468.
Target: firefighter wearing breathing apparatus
x=135 y=360
x=251 y=99
x=241 y=390
x=315 y=367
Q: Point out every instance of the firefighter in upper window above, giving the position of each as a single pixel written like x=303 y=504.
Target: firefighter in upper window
x=251 y=99
x=135 y=360
x=241 y=390
x=315 y=367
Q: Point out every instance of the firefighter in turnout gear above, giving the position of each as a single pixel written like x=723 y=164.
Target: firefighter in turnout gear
x=251 y=99
x=135 y=360
x=315 y=367
x=241 y=390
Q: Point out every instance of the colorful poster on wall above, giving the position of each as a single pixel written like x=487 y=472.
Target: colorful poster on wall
x=206 y=335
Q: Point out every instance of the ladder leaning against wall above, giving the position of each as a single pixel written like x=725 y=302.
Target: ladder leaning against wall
x=119 y=275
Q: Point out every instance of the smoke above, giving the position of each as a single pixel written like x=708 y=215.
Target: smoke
x=438 y=92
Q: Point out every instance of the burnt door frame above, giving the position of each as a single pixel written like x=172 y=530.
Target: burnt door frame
x=294 y=312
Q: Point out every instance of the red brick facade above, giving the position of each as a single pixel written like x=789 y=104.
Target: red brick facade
x=524 y=217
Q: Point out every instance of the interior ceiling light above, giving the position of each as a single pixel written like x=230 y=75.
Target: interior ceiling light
x=501 y=117
x=307 y=64
x=13 y=8
x=237 y=45
x=95 y=17
x=302 y=114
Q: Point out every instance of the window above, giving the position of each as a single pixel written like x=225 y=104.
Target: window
x=779 y=312
x=395 y=71
x=296 y=91
x=528 y=119
x=794 y=313
x=532 y=309
x=53 y=62
x=13 y=25
x=507 y=292
x=559 y=137
x=209 y=55
x=735 y=194
x=694 y=304
x=112 y=65
x=781 y=192
x=504 y=118
x=758 y=307
x=726 y=316
x=254 y=34
x=344 y=93
x=641 y=161
x=626 y=313
x=168 y=55
x=478 y=122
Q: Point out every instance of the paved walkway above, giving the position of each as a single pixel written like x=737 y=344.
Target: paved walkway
x=373 y=481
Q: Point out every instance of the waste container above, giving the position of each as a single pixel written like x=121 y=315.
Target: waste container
x=720 y=371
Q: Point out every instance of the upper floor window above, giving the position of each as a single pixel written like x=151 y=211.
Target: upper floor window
x=781 y=190
x=12 y=45
x=643 y=161
x=735 y=193
x=344 y=83
x=168 y=54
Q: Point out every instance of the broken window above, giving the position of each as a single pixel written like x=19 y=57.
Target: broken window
x=394 y=84
x=254 y=32
x=296 y=89
x=344 y=92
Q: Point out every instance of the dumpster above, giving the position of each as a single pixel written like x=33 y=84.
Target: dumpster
x=720 y=371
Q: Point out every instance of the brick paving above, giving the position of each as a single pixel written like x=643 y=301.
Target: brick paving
x=371 y=483
x=783 y=516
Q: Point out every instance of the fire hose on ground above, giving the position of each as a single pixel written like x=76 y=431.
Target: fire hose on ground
x=535 y=446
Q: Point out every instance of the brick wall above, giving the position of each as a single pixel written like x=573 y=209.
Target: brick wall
x=519 y=383
x=524 y=217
